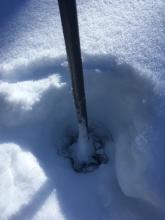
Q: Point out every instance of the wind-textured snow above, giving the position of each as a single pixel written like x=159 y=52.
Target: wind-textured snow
x=123 y=59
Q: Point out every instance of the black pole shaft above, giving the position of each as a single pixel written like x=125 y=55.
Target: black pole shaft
x=68 y=13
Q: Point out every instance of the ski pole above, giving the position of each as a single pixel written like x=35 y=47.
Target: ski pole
x=68 y=13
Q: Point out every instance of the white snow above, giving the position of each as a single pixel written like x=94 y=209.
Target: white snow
x=83 y=149
x=18 y=178
x=123 y=58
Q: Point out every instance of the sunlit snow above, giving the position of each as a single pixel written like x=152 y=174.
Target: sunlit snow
x=123 y=59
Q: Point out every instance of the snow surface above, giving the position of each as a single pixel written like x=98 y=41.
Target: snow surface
x=123 y=58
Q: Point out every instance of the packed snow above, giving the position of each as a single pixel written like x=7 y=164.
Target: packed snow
x=123 y=58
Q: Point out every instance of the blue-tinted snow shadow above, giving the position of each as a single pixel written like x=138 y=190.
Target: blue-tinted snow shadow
x=29 y=210
x=37 y=69
x=77 y=193
x=8 y=8
x=43 y=67
x=8 y=12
